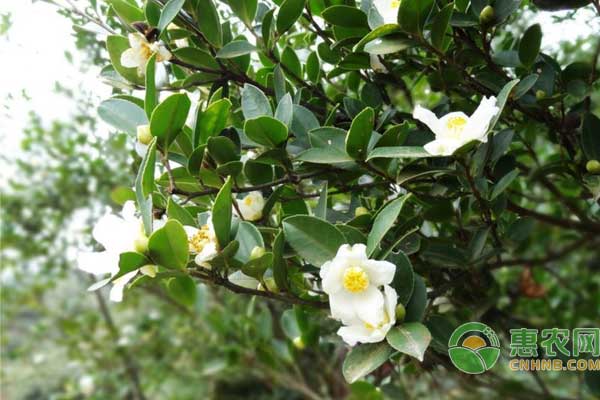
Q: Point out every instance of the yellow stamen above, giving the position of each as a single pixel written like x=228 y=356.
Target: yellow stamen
x=200 y=239
x=395 y=3
x=248 y=200
x=356 y=280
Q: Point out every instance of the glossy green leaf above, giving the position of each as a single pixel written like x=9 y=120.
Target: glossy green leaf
x=415 y=309
x=384 y=220
x=151 y=96
x=183 y=290
x=116 y=45
x=168 y=14
x=178 y=213
x=127 y=11
x=291 y=63
x=530 y=44
x=503 y=183
x=255 y=103
x=144 y=186
x=411 y=338
x=357 y=140
x=346 y=16
x=289 y=12
x=440 y=26
x=266 y=131
x=364 y=359
x=590 y=137
x=315 y=240
x=244 y=9
x=221 y=213
x=122 y=115
x=327 y=155
x=212 y=121
x=412 y=15
x=168 y=246
x=235 y=49
x=168 y=118
x=208 y=22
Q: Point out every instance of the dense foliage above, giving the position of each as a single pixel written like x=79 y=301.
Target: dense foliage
x=272 y=135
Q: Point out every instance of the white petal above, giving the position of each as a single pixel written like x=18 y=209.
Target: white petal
x=479 y=122
x=380 y=272
x=449 y=134
x=391 y=301
x=441 y=147
x=190 y=230
x=128 y=212
x=354 y=334
x=163 y=54
x=341 y=306
x=332 y=275
x=116 y=292
x=137 y=40
x=98 y=263
x=108 y=232
x=368 y=305
x=131 y=58
x=141 y=149
x=428 y=118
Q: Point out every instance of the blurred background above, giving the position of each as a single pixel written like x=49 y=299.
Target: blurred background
x=60 y=169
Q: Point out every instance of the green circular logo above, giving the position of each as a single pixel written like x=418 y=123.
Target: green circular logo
x=474 y=348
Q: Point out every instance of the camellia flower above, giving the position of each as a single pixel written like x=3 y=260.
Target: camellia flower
x=251 y=206
x=203 y=243
x=352 y=282
x=140 y=52
x=118 y=234
x=365 y=332
x=456 y=129
x=388 y=9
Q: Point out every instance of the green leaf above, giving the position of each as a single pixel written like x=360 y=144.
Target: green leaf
x=198 y=58
x=388 y=45
x=235 y=49
x=144 y=186
x=359 y=134
x=279 y=264
x=116 y=45
x=183 y=290
x=169 y=12
x=346 y=16
x=313 y=67
x=384 y=220
x=168 y=118
x=248 y=237
x=221 y=213
x=503 y=183
x=328 y=155
x=130 y=261
x=530 y=44
x=168 y=246
x=590 y=137
x=440 y=26
x=255 y=103
x=122 y=115
x=415 y=309
x=412 y=15
x=524 y=86
x=404 y=278
x=266 y=131
x=376 y=33
x=208 y=22
x=364 y=359
x=290 y=60
x=314 y=239
x=178 y=213
x=501 y=100
x=289 y=12
x=211 y=122
x=122 y=194
x=127 y=11
x=256 y=268
x=151 y=97
x=244 y=9
x=398 y=152
x=285 y=110
x=411 y=338
x=321 y=209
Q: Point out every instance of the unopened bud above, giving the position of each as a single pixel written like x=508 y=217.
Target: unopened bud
x=360 y=211
x=487 y=15
x=140 y=244
x=298 y=343
x=400 y=312
x=149 y=270
x=271 y=285
x=257 y=252
x=540 y=94
x=143 y=134
x=593 y=166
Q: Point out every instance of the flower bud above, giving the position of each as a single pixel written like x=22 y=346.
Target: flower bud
x=257 y=252
x=487 y=15
x=540 y=94
x=593 y=166
x=271 y=285
x=400 y=312
x=140 y=244
x=149 y=270
x=360 y=211
x=143 y=134
x=298 y=343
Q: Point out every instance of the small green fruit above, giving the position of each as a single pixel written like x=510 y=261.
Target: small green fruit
x=298 y=343
x=143 y=134
x=487 y=15
x=140 y=244
x=400 y=312
x=593 y=166
x=540 y=94
x=360 y=211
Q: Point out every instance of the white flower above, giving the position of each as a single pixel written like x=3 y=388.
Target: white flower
x=365 y=332
x=118 y=234
x=86 y=385
x=388 y=9
x=251 y=206
x=140 y=52
x=352 y=282
x=377 y=65
x=456 y=129
x=203 y=243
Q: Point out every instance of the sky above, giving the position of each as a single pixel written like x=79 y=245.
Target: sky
x=33 y=59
